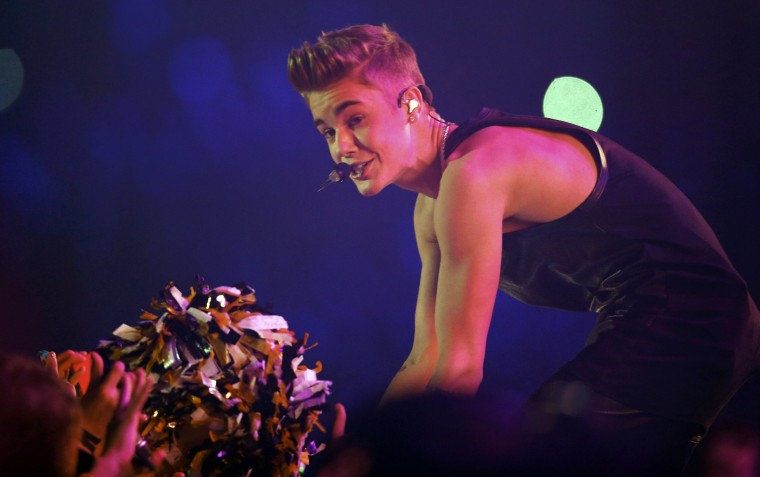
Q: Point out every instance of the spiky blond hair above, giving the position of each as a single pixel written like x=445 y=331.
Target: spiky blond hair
x=377 y=55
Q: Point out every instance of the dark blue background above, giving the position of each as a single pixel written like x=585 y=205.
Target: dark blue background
x=154 y=140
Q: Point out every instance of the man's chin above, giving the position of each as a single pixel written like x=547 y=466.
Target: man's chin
x=368 y=188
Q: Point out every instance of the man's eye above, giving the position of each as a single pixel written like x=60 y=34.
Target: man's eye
x=328 y=133
x=354 y=121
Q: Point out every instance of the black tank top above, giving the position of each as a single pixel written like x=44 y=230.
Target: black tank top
x=637 y=252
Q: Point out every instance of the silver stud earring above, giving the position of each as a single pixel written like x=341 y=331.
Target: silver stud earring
x=412 y=119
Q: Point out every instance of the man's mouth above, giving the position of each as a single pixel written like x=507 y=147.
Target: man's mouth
x=357 y=170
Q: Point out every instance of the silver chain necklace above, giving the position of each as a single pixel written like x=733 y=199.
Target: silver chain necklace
x=443 y=143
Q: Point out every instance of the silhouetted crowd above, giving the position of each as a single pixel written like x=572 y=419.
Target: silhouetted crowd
x=66 y=416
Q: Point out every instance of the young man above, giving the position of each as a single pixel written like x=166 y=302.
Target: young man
x=557 y=216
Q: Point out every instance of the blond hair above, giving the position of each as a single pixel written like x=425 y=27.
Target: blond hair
x=377 y=55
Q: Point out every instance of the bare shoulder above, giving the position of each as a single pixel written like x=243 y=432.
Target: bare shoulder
x=535 y=176
x=486 y=167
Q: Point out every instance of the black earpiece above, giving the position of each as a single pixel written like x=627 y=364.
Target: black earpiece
x=427 y=95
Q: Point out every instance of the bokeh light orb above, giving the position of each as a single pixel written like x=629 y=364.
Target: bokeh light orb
x=575 y=101
x=11 y=77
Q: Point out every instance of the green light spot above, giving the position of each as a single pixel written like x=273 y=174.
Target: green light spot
x=575 y=101
x=11 y=77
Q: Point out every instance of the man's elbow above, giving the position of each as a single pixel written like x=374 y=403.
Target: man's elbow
x=457 y=379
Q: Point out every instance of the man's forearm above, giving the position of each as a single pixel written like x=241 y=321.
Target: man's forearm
x=411 y=380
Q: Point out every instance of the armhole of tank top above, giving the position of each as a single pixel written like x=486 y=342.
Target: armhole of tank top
x=601 y=177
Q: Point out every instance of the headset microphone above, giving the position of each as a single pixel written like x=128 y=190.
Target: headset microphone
x=338 y=174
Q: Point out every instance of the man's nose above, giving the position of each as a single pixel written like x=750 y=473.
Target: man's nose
x=345 y=143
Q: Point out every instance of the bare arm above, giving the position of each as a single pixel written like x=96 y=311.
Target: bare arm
x=459 y=239
x=416 y=371
x=470 y=210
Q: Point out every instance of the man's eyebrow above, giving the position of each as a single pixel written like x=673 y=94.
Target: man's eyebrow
x=338 y=109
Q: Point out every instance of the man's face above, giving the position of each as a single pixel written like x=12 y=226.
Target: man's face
x=364 y=128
